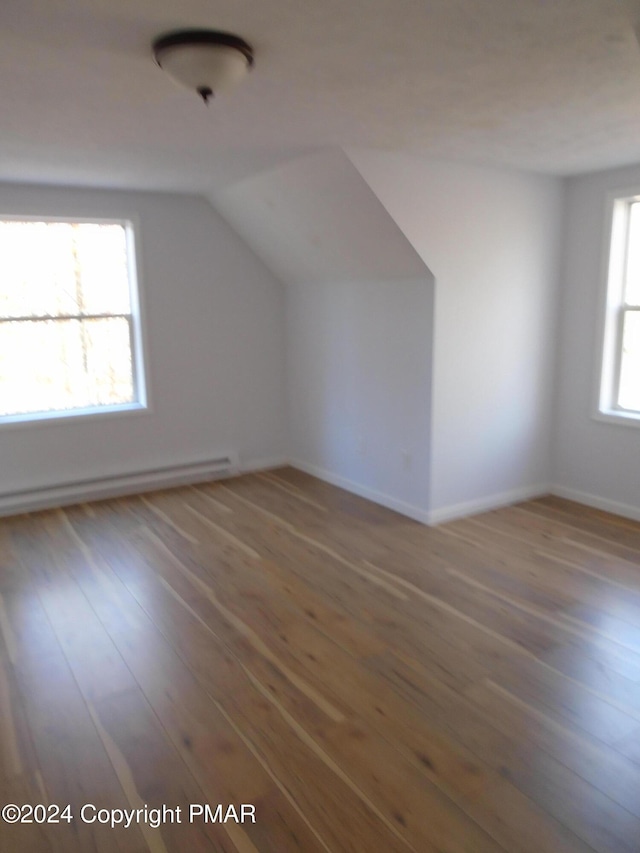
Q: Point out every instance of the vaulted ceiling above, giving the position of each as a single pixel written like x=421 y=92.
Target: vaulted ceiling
x=547 y=85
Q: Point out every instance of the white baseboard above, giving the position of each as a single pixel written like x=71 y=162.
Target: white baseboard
x=80 y=491
x=411 y=511
x=485 y=504
x=617 y=508
x=200 y=471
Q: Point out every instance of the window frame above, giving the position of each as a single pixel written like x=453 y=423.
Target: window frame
x=140 y=379
x=612 y=309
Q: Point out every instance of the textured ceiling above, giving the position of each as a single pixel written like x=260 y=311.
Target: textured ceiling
x=548 y=85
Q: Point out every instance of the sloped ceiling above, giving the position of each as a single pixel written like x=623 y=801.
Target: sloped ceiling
x=317 y=220
x=549 y=85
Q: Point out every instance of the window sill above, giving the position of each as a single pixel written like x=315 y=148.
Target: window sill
x=619 y=418
x=50 y=418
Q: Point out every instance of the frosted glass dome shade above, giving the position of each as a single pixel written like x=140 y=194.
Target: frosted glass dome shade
x=204 y=61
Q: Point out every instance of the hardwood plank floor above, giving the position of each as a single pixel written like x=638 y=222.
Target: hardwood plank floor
x=364 y=682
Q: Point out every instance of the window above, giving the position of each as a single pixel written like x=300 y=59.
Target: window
x=619 y=397
x=69 y=325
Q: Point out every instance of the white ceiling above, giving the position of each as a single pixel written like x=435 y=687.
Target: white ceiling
x=548 y=85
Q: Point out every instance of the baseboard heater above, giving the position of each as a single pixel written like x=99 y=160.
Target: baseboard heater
x=113 y=485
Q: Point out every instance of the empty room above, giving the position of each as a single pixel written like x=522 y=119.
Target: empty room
x=320 y=426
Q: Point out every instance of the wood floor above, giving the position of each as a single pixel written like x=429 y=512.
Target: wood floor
x=366 y=683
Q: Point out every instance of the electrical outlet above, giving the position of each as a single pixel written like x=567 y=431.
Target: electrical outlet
x=406 y=459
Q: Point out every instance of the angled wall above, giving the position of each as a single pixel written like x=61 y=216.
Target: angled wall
x=492 y=240
x=359 y=313
x=479 y=343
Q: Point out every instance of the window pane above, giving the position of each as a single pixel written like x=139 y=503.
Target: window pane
x=629 y=396
x=37 y=269
x=58 y=268
x=107 y=345
x=64 y=364
x=632 y=279
x=101 y=252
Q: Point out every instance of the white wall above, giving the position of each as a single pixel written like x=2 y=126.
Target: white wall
x=359 y=325
x=359 y=356
x=491 y=239
x=215 y=341
x=367 y=382
x=595 y=462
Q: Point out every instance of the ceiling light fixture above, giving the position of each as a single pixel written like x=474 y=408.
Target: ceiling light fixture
x=206 y=61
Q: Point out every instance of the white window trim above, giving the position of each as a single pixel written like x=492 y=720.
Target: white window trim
x=142 y=403
x=609 y=331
